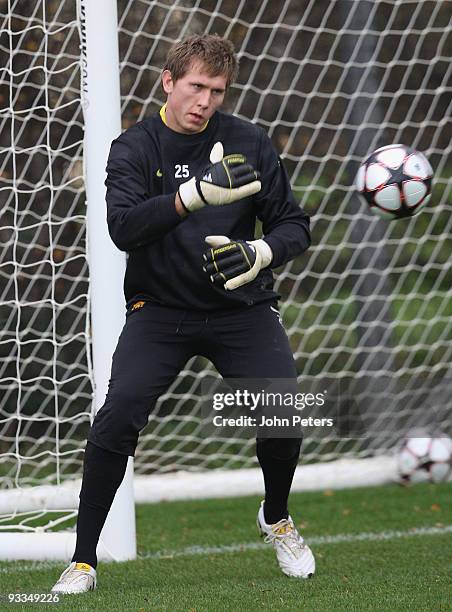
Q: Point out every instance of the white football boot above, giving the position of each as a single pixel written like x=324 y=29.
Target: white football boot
x=294 y=556
x=77 y=578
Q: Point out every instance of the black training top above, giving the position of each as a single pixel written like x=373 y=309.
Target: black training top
x=146 y=165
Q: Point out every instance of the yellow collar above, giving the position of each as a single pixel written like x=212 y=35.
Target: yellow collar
x=163 y=118
x=163 y=114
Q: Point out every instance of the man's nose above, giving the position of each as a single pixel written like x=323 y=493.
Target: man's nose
x=204 y=98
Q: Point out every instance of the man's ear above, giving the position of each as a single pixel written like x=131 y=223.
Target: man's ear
x=167 y=82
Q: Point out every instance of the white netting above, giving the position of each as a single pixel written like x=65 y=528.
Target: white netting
x=45 y=377
x=367 y=308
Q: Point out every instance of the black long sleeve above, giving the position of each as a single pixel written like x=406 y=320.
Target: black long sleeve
x=285 y=225
x=135 y=217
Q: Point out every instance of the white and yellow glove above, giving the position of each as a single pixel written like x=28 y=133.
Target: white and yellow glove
x=233 y=263
x=224 y=180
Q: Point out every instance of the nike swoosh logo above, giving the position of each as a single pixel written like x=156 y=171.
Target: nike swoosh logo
x=159 y=173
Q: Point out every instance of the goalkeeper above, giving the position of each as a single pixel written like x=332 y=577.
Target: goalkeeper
x=184 y=190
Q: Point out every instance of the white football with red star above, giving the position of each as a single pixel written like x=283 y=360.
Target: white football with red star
x=395 y=181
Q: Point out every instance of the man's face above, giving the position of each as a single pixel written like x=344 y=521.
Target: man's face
x=192 y=99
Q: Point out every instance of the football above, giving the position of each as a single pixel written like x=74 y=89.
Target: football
x=395 y=181
x=426 y=459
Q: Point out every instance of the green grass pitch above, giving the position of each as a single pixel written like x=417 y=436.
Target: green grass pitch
x=376 y=548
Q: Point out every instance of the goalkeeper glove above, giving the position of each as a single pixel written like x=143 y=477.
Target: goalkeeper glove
x=224 y=180
x=233 y=263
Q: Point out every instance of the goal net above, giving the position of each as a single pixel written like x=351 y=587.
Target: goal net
x=45 y=371
x=367 y=309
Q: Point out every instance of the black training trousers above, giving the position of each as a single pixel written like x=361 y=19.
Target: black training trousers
x=154 y=346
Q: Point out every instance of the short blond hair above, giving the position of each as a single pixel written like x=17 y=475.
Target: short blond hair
x=214 y=52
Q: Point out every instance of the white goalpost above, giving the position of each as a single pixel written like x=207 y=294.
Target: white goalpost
x=99 y=89
x=102 y=116
x=368 y=308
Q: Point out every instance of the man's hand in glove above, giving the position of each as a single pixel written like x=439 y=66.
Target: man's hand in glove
x=233 y=263
x=224 y=180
